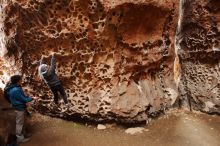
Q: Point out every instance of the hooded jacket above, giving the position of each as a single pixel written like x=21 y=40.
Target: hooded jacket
x=17 y=97
x=50 y=77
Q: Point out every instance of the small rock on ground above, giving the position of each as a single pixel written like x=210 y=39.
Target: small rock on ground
x=135 y=130
x=101 y=127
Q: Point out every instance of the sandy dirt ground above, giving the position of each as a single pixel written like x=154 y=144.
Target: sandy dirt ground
x=175 y=129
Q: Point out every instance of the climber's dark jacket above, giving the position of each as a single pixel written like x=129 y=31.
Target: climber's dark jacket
x=49 y=76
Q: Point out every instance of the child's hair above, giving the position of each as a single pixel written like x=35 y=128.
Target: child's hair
x=15 y=79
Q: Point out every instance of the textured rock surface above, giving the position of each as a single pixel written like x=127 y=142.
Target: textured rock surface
x=116 y=59
x=198 y=46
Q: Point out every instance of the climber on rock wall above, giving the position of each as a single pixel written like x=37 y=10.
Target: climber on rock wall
x=48 y=74
x=19 y=102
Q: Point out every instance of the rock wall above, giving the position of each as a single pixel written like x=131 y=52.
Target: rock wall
x=117 y=60
x=198 y=46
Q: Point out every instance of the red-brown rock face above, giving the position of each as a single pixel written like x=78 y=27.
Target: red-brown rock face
x=116 y=59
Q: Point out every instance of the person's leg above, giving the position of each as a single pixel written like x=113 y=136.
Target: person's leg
x=26 y=131
x=11 y=140
x=20 y=115
x=63 y=93
x=19 y=124
x=55 y=94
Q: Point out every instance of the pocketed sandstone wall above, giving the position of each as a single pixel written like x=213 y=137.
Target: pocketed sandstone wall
x=198 y=48
x=117 y=60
